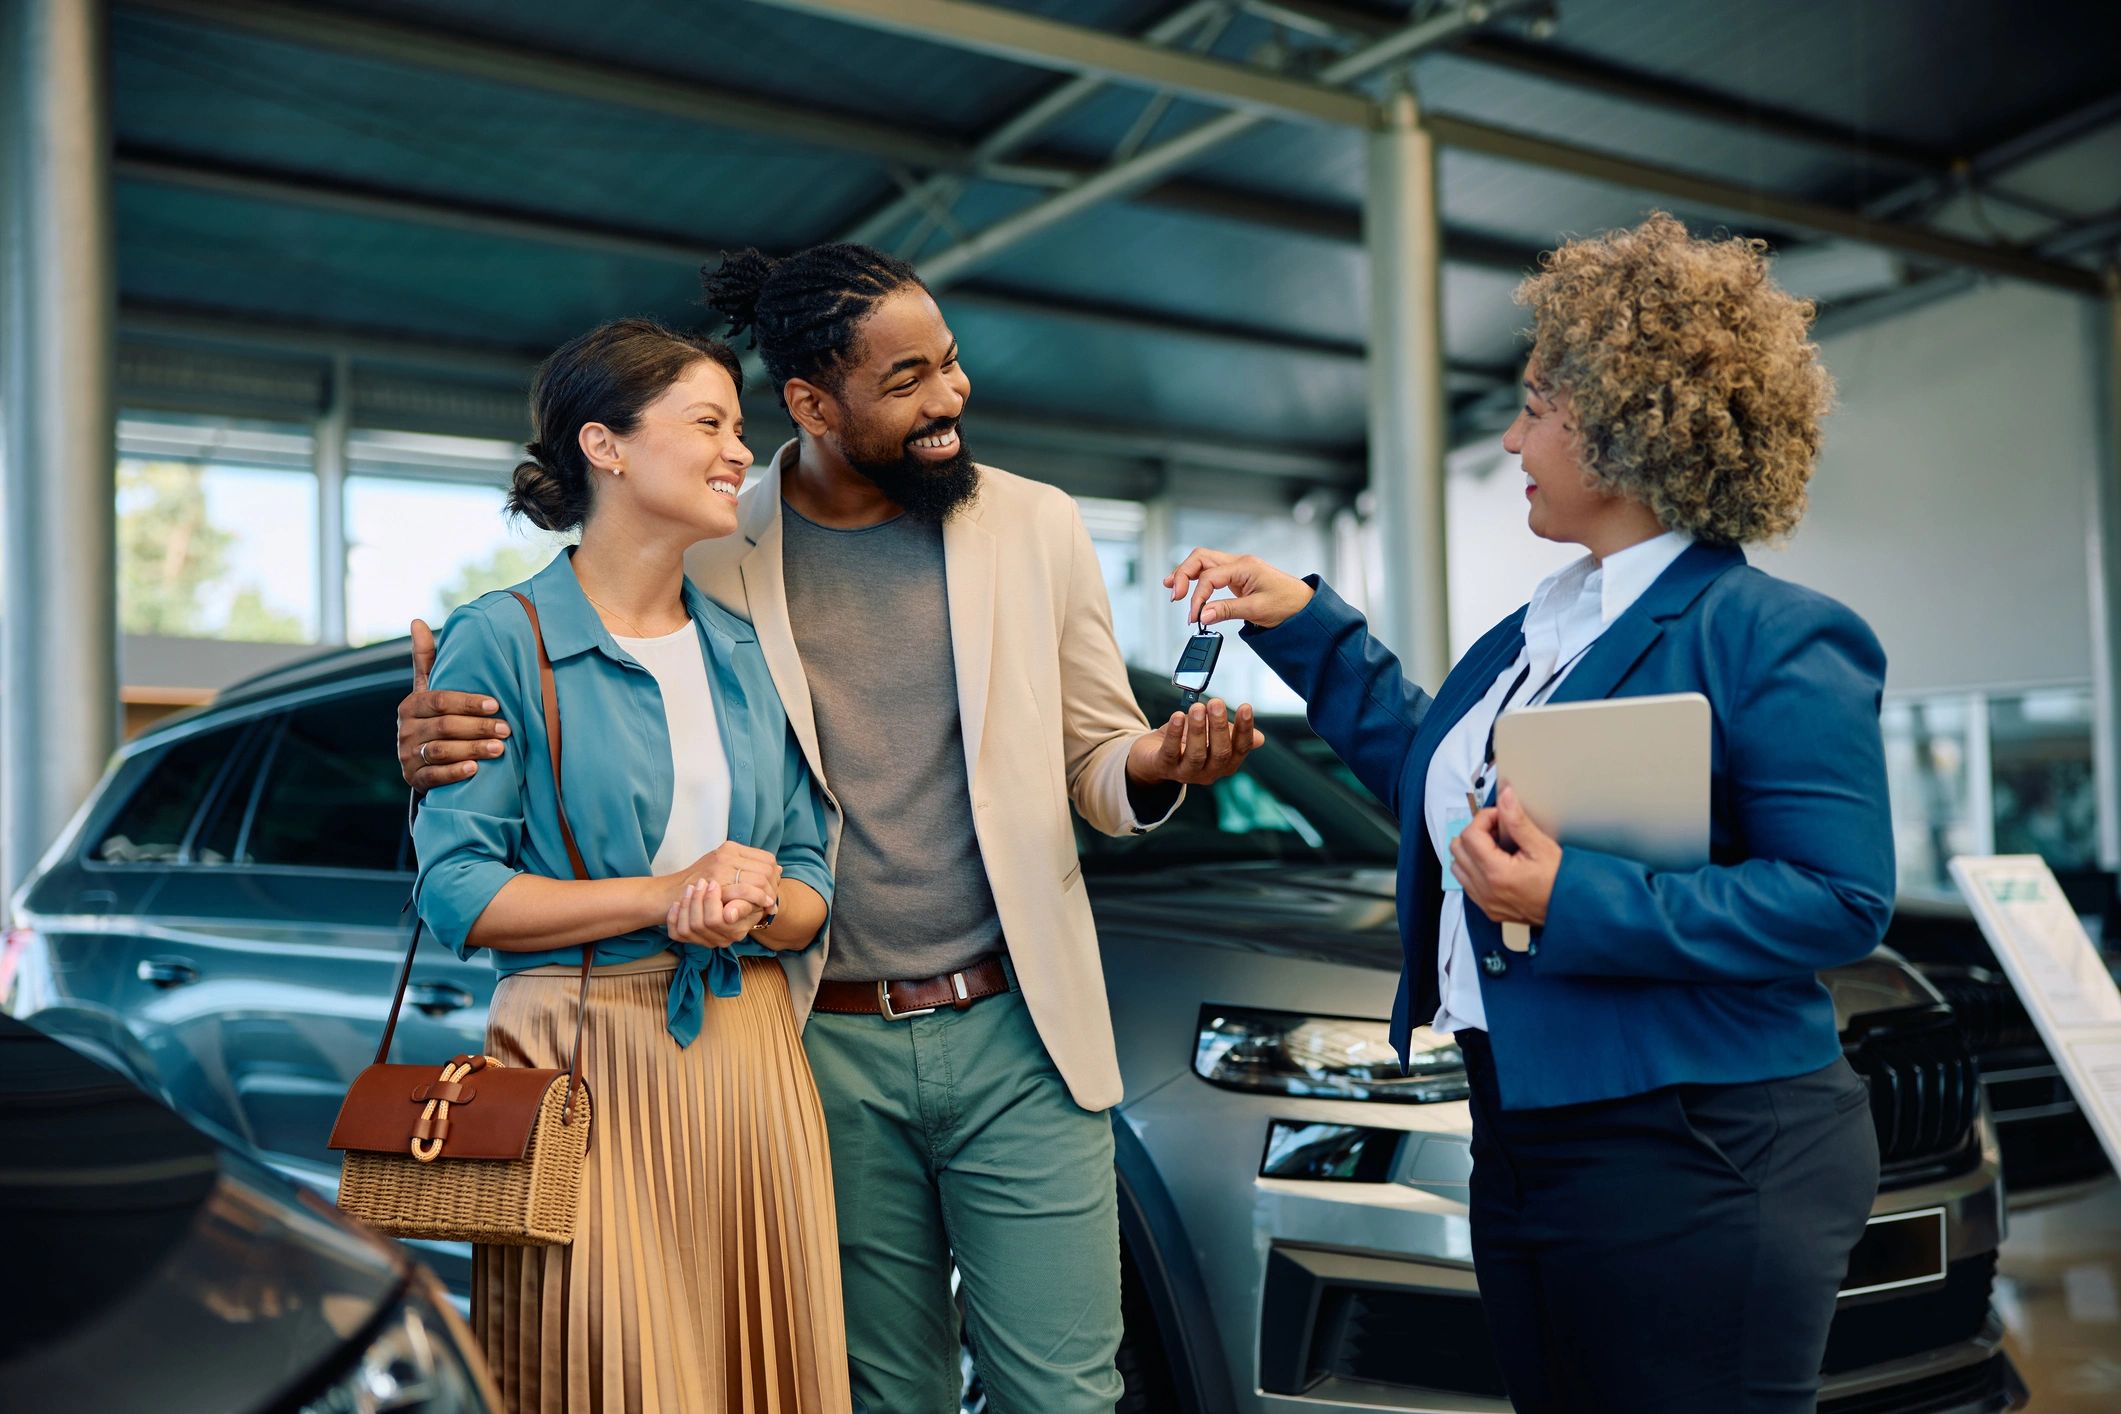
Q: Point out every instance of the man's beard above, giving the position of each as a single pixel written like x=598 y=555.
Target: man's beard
x=928 y=491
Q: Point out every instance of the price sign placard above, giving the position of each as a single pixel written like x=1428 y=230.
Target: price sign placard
x=2059 y=975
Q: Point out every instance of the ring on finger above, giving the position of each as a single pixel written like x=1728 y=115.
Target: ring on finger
x=423 y=752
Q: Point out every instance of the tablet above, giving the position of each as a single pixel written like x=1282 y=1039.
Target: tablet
x=1627 y=776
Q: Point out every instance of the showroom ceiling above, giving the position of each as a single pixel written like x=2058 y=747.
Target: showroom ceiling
x=442 y=191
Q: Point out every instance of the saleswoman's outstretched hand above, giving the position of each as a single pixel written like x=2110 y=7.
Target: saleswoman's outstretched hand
x=1263 y=594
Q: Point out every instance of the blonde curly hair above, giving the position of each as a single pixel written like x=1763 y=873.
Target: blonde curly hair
x=1693 y=383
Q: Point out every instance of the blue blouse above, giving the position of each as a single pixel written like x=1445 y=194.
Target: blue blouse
x=474 y=835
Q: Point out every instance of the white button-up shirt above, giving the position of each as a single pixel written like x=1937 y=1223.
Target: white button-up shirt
x=1568 y=612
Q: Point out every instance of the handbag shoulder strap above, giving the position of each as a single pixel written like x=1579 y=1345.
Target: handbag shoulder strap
x=548 y=691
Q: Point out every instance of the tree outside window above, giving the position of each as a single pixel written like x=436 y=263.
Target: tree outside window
x=208 y=551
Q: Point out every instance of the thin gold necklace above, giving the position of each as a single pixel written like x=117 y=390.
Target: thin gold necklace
x=633 y=628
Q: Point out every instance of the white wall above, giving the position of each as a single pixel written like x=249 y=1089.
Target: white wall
x=1949 y=507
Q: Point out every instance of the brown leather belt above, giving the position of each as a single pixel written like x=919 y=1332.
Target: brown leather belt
x=895 y=1001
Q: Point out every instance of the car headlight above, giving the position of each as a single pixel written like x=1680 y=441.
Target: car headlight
x=422 y=1358
x=1324 y=1057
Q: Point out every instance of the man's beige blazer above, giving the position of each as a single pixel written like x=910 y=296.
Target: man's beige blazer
x=1048 y=720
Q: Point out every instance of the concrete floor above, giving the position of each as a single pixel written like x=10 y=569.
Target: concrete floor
x=2059 y=1291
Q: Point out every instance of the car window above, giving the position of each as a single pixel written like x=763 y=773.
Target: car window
x=221 y=828
x=331 y=796
x=150 y=827
x=1280 y=808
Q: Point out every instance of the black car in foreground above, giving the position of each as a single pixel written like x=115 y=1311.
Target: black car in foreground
x=150 y=1267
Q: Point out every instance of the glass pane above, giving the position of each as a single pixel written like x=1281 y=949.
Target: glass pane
x=223 y=826
x=1928 y=755
x=417 y=549
x=332 y=797
x=150 y=828
x=1278 y=539
x=1280 y=808
x=208 y=550
x=2040 y=755
x=1116 y=534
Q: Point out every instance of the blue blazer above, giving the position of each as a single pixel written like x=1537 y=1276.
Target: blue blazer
x=1643 y=979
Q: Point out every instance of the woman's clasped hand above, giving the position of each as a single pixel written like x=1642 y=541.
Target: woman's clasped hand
x=723 y=896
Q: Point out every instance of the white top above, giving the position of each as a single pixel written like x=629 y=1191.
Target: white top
x=699 y=764
x=1568 y=612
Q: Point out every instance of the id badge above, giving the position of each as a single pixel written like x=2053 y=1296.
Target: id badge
x=1454 y=825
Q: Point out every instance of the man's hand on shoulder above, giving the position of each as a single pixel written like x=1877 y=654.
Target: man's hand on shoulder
x=442 y=736
x=1195 y=748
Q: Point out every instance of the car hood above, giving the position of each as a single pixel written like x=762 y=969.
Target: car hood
x=1347 y=914
x=1332 y=913
x=169 y=1272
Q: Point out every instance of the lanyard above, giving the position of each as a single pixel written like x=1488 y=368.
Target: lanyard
x=1487 y=759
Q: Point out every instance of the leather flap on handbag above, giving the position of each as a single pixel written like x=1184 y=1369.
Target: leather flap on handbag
x=387 y=1101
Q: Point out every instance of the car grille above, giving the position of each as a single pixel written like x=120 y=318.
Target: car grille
x=1908 y=1322
x=1925 y=1093
x=1978 y=1389
x=1994 y=1018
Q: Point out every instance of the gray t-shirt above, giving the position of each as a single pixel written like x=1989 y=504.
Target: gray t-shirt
x=871 y=614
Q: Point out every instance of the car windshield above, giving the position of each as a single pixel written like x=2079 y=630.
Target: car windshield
x=1279 y=809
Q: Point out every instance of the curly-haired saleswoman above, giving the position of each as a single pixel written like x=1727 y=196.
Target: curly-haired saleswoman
x=1671 y=1160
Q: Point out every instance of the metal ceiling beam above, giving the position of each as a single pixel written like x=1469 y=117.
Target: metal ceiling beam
x=1127 y=319
x=1571 y=70
x=1542 y=61
x=1816 y=217
x=285 y=188
x=299 y=189
x=1153 y=164
x=2043 y=138
x=1012 y=134
x=520 y=66
x=164 y=324
x=2037 y=141
x=1312 y=220
x=1080 y=49
x=713 y=106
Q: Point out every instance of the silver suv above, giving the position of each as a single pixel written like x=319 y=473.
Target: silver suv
x=222 y=919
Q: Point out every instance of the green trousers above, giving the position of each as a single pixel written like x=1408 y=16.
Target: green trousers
x=953 y=1135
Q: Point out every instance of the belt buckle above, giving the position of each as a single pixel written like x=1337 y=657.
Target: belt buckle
x=883 y=1003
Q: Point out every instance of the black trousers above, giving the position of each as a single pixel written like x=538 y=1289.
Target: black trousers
x=1676 y=1252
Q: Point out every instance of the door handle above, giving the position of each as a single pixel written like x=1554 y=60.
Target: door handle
x=166 y=972
x=437 y=998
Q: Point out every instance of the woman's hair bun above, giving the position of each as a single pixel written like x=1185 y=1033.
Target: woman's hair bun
x=541 y=495
x=732 y=288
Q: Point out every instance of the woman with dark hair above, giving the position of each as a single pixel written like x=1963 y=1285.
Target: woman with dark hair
x=703 y=1275
x=1661 y=1109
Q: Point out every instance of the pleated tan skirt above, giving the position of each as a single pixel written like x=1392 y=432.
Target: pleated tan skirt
x=704 y=1275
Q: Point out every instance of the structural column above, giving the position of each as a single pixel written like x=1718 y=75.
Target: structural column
x=59 y=703
x=2105 y=564
x=1409 y=419
x=332 y=428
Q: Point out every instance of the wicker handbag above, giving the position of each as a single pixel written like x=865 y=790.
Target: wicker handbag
x=472 y=1151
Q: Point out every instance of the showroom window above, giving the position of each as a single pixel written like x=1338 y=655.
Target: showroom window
x=1990 y=773
x=426 y=530
x=1275 y=537
x=217 y=530
x=1116 y=534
